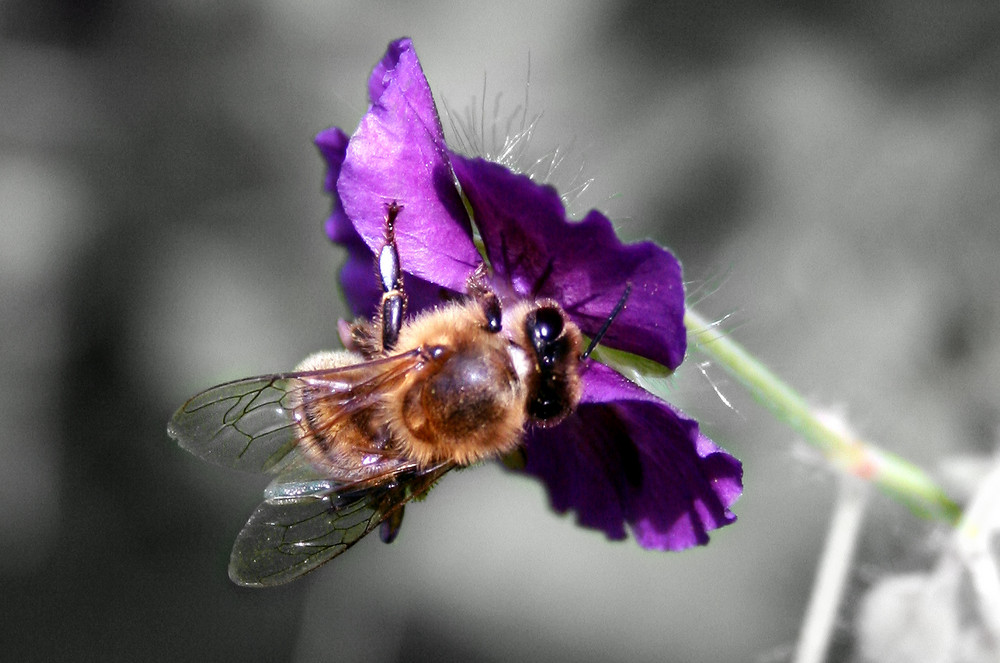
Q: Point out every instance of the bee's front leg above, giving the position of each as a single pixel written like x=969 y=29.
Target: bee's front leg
x=393 y=304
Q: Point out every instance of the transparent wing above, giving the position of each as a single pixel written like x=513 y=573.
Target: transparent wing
x=297 y=477
x=287 y=537
x=250 y=424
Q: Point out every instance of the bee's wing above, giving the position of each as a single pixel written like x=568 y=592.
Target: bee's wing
x=289 y=536
x=296 y=476
x=250 y=424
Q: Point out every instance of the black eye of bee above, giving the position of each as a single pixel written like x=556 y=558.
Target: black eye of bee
x=547 y=324
x=544 y=327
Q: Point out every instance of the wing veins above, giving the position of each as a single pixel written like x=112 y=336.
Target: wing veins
x=261 y=559
x=250 y=424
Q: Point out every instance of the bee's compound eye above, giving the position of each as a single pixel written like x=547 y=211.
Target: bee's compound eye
x=546 y=325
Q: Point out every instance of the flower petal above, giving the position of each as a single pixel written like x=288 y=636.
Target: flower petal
x=362 y=288
x=582 y=265
x=332 y=144
x=627 y=457
x=358 y=276
x=398 y=154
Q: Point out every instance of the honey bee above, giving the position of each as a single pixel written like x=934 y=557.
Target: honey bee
x=354 y=435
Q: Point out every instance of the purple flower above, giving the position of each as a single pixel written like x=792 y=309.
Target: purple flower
x=624 y=457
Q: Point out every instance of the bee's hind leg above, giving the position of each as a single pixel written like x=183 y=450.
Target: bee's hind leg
x=389 y=529
x=393 y=304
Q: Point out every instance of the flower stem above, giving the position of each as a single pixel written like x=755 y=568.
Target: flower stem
x=897 y=477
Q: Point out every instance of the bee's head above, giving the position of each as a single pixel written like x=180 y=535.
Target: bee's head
x=554 y=386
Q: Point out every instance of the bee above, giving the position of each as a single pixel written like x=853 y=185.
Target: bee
x=354 y=435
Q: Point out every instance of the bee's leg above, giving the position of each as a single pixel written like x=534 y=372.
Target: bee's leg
x=393 y=296
x=480 y=289
x=389 y=528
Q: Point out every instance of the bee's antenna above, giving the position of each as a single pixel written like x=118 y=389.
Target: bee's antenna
x=607 y=323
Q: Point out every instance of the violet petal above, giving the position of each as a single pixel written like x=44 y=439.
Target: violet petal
x=358 y=277
x=332 y=144
x=362 y=289
x=627 y=457
x=398 y=154
x=582 y=265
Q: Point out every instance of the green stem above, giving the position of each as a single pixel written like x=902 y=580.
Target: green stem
x=894 y=475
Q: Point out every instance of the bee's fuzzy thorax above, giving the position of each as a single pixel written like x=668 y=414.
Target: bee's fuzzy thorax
x=465 y=404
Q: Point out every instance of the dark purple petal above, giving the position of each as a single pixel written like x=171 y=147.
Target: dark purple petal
x=582 y=265
x=332 y=144
x=359 y=281
x=398 y=154
x=627 y=457
x=357 y=277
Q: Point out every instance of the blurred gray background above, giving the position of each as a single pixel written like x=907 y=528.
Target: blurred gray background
x=828 y=170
